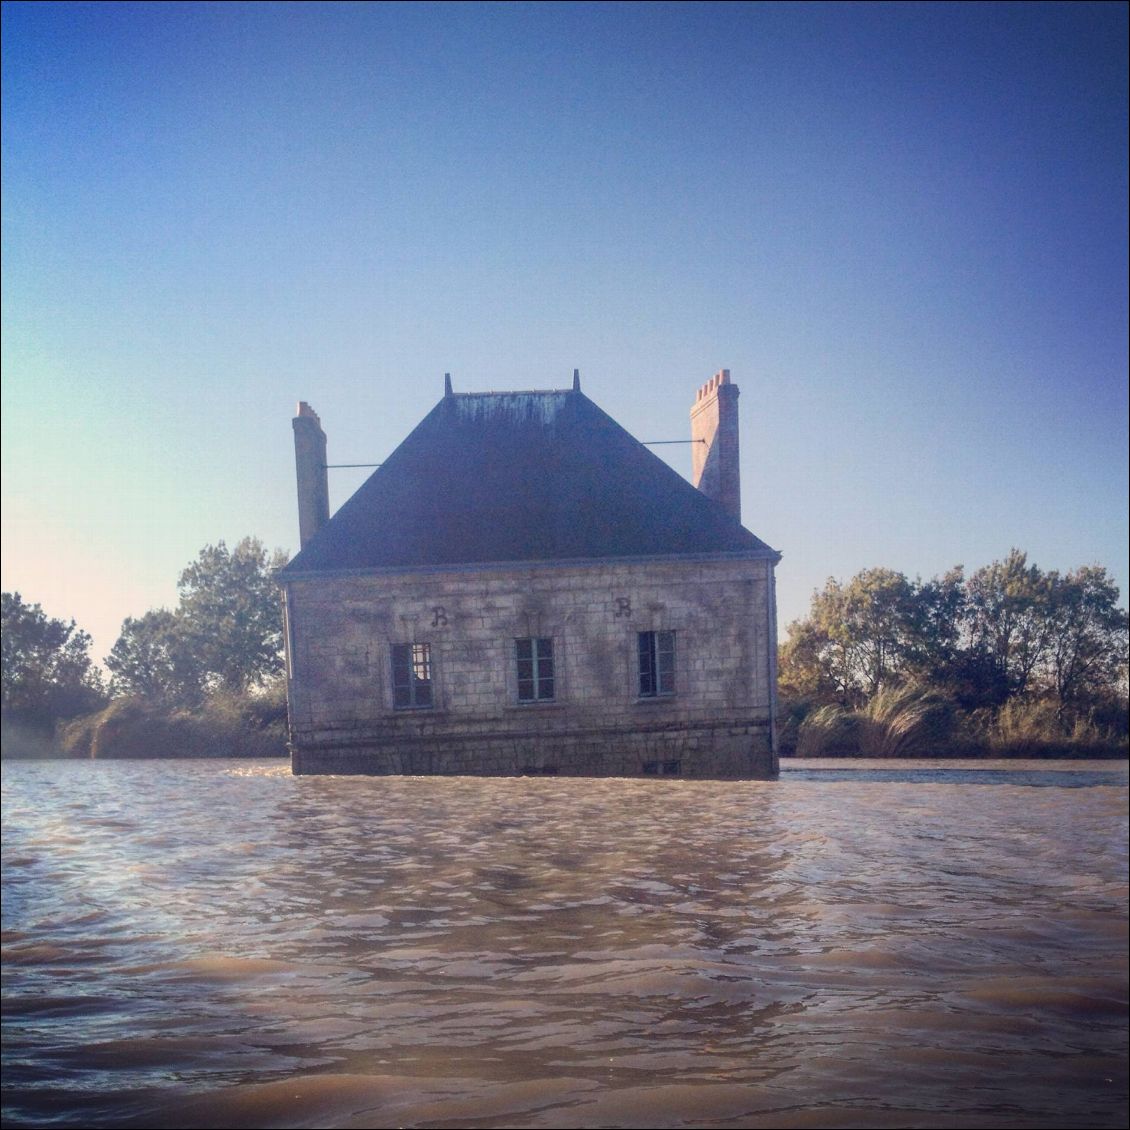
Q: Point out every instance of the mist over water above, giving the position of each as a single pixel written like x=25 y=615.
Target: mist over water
x=219 y=943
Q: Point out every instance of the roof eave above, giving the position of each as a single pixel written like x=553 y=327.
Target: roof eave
x=760 y=554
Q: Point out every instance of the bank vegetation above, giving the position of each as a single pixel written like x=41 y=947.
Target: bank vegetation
x=204 y=679
x=1011 y=661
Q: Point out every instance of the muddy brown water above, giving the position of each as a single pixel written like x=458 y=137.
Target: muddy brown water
x=885 y=944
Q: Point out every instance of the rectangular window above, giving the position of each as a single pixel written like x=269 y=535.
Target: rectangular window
x=411 y=675
x=657 y=664
x=535 y=669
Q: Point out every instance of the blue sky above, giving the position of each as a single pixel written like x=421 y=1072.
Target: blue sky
x=903 y=228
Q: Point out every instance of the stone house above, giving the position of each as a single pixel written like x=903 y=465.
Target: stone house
x=523 y=588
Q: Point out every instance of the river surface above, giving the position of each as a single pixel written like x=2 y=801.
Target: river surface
x=880 y=944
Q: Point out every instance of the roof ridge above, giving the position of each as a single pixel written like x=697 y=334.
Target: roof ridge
x=517 y=392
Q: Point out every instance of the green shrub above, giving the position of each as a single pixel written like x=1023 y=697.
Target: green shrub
x=897 y=722
x=791 y=713
x=21 y=740
x=829 y=731
x=913 y=722
x=1038 y=729
x=136 y=728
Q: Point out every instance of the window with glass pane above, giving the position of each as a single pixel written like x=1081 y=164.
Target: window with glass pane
x=535 y=669
x=411 y=674
x=657 y=664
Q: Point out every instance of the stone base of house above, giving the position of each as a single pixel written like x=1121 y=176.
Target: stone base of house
x=724 y=752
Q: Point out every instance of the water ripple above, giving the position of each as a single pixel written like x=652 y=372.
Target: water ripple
x=220 y=943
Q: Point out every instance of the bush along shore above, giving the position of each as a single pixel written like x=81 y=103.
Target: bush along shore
x=221 y=726
x=918 y=722
x=201 y=680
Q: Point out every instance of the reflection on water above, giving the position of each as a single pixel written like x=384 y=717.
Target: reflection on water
x=218 y=943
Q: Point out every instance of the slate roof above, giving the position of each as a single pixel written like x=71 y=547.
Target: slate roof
x=520 y=476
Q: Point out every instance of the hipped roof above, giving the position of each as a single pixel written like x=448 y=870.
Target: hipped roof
x=520 y=477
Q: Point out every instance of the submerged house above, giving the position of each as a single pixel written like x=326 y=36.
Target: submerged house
x=523 y=588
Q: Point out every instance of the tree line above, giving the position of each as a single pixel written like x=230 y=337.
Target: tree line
x=1009 y=636
x=224 y=638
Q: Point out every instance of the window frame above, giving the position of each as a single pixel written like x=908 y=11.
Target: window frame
x=541 y=672
x=413 y=692
x=655 y=664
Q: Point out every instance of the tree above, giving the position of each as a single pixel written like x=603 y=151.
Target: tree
x=882 y=625
x=153 y=658
x=809 y=666
x=934 y=644
x=231 y=614
x=225 y=634
x=1086 y=656
x=1009 y=625
x=858 y=639
x=47 y=671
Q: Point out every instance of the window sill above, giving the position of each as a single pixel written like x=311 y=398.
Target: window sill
x=545 y=704
x=655 y=700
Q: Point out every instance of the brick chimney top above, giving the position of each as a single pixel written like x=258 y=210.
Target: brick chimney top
x=722 y=377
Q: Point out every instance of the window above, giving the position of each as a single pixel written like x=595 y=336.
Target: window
x=657 y=664
x=411 y=675
x=535 y=669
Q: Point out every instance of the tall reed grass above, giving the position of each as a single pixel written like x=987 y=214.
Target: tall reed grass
x=914 y=721
x=897 y=722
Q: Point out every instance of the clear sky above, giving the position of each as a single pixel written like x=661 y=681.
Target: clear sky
x=902 y=227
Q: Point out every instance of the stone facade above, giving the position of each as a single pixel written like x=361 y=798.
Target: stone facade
x=716 y=723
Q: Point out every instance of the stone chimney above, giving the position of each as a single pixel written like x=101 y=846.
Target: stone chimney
x=714 y=419
x=310 y=464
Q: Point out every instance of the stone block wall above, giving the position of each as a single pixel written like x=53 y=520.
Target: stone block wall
x=717 y=723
